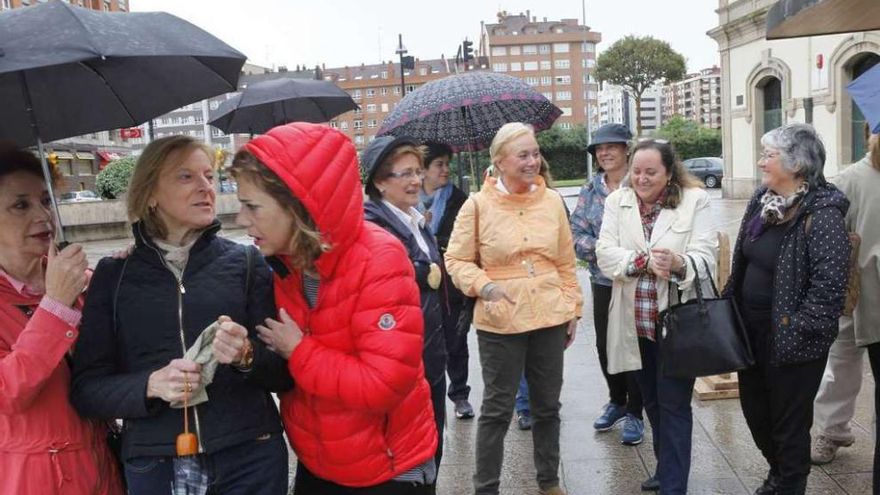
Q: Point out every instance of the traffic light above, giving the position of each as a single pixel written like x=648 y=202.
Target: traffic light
x=52 y=158
x=468 y=50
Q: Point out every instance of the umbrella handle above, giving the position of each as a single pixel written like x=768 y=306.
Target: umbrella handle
x=187 y=443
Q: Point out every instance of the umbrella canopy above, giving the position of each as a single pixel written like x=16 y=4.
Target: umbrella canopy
x=465 y=111
x=102 y=70
x=865 y=91
x=266 y=104
x=796 y=18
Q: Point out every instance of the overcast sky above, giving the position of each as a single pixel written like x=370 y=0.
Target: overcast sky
x=351 y=32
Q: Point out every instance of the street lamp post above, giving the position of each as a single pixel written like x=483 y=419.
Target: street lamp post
x=406 y=62
x=587 y=86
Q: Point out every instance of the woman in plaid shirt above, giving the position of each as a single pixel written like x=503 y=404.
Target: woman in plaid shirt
x=650 y=226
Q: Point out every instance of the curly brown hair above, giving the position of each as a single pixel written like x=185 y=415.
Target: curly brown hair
x=305 y=243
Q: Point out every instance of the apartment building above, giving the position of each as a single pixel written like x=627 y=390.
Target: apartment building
x=79 y=159
x=618 y=105
x=697 y=97
x=556 y=57
x=105 y=5
x=376 y=88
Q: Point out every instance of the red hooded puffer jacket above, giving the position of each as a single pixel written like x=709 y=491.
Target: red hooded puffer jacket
x=360 y=412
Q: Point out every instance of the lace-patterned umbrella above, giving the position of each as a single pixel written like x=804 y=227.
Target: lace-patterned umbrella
x=465 y=111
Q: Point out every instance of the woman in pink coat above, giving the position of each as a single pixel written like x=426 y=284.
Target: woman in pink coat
x=45 y=447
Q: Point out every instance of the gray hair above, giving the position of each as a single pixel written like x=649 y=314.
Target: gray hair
x=801 y=151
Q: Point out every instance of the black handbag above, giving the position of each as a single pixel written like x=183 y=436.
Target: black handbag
x=702 y=337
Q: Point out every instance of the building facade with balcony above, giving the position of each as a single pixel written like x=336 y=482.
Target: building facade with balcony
x=617 y=105
x=765 y=84
x=555 y=57
x=376 y=88
x=697 y=97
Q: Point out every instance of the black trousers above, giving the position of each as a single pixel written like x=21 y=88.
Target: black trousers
x=874 y=357
x=623 y=388
x=306 y=483
x=777 y=402
x=456 y=324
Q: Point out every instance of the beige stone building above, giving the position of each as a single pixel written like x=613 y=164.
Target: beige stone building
x=765 y=84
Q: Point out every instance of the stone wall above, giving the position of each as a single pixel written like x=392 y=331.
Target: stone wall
x=100 y=220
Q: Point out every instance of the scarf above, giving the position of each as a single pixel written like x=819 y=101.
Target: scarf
x=438 y=206
x=773 y=209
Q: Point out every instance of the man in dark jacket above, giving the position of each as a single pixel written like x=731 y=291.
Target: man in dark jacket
x=440 y=201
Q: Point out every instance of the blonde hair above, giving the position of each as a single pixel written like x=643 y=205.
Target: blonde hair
x=305 y=241
x=507 y=133
x=145 y=179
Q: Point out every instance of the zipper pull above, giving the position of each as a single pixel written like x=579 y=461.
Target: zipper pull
x=181 y=288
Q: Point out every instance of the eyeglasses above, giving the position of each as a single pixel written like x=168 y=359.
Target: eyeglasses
x=408 y=174
x=767 y=156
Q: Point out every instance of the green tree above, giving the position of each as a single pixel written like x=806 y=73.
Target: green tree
x=689 y=138
x=565 y=151
x=112 y=182
x=636 y=63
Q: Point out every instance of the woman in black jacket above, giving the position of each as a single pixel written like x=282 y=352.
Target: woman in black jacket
x=789 y=277
x=394 y=171
x=145 y=312
x=440 y=202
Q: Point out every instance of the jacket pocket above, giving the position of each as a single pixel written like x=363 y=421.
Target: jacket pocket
x=493 y=314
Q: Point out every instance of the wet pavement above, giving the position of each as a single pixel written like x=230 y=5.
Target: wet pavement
x=724 y=460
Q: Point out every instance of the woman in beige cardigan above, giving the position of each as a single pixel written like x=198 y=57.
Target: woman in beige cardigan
x=650 y=228
x=511 y=247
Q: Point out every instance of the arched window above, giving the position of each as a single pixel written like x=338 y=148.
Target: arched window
x=771 y=103
x=859 y=67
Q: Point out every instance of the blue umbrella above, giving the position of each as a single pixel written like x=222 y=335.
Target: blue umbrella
x=865 y=91
x=465 y=111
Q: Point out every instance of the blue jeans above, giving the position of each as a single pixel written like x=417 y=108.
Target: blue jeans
x=255 y=467
x=668 y=404
x=522 y=396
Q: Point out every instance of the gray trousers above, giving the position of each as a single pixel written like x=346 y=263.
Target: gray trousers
x=503 y=359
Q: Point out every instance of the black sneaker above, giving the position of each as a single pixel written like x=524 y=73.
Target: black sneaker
x=463 y=409
x=651 y=484
x=524 y=420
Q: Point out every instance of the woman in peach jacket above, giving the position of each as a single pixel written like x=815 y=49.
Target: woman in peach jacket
x=512 y=249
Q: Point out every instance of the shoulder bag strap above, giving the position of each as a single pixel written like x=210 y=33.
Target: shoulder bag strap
x=477 y=232
x=116 y=291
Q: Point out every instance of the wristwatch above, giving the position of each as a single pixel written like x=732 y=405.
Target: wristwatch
x=247 y=358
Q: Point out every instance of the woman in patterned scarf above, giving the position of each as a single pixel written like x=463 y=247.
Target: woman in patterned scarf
x=792 y=255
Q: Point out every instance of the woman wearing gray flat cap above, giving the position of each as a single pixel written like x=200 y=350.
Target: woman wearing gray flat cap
x=610 y=148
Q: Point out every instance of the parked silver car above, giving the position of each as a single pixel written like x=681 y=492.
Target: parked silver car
x=709 y=169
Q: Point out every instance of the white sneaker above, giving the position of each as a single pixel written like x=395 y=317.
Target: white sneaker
x=825 y=449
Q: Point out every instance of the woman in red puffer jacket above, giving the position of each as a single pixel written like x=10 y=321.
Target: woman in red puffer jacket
x=350 y=324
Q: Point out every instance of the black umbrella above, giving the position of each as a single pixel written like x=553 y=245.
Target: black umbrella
x=796 y=18
x=66 y=71
x=465 y=111
x=266 y=104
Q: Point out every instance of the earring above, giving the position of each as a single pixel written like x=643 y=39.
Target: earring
x=381 y=191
